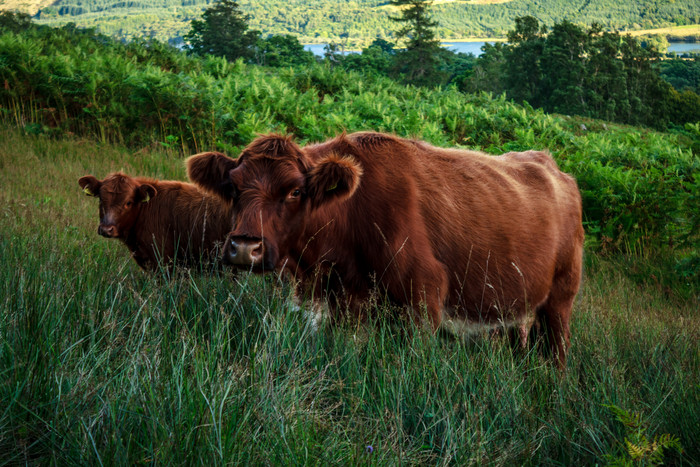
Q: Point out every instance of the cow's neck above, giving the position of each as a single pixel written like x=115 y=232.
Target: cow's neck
x=131 y=239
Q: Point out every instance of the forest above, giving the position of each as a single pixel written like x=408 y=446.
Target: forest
x=356 y=23
x=103 y=363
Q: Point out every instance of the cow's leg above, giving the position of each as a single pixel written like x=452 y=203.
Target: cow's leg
x=430 y=285
x=557 y=316
x=556 y=310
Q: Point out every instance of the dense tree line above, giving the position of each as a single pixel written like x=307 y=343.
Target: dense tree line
x=361 y=21
x=683 y=75
x=568 y=70
x=587 y=72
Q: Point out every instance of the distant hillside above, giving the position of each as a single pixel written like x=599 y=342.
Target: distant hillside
x=25 y=6
x=360 y=21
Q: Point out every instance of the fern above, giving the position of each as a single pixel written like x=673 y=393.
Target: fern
x=638 y=448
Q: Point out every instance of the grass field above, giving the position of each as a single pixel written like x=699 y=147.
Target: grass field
x=103 y=364
x=675 y=31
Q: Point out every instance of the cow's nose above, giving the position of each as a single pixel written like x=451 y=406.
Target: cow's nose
x=244 y=252
x=108 y=231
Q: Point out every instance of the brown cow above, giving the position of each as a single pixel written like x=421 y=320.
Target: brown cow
x=160 y=220
x=479 y=241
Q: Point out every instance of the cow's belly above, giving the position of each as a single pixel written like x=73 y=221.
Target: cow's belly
x=459 y=325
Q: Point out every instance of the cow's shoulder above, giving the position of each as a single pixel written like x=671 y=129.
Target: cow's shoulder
x=372 y=140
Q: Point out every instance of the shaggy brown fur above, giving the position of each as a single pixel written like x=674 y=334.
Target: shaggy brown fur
x=159 y=220
x=475 y=240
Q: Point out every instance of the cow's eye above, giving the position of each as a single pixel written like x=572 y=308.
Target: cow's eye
x=294 y=194
x=128 y=204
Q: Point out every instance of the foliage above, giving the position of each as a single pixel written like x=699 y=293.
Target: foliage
x=637 y=445
x=486 y=74
x=523 y=70
x=222 y=31
x=417 y=63
x=418 y=29
x=683 y=75
x=590 y=73
x=282 y=51
x=377 y=59
x=15 y=22
x=361 y=21
x=640 y=188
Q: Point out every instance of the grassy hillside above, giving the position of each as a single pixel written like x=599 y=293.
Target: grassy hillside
x=360 y=21
x=101 y=363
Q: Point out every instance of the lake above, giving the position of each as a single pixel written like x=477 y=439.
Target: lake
x=682 y=47
x=464 y=47
x=475 y=47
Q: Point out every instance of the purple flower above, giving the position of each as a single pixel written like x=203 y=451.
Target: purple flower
x=369 y=449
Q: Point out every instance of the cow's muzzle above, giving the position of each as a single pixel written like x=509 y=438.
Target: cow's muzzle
x=244 y=252
x=109 y=231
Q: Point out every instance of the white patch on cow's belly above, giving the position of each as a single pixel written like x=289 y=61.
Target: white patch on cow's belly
x=315 y=312
x=459 y=326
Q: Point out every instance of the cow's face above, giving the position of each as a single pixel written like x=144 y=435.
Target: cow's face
x=121 y=198
x=276 y=187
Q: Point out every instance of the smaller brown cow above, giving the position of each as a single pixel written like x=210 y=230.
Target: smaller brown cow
x=160 y=220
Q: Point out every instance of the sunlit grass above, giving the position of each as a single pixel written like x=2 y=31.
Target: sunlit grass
x=102 y=363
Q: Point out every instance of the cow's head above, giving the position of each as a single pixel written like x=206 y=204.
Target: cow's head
x=121 y=198
x=275 y=186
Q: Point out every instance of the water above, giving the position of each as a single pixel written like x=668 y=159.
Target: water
x=475 y=47
x=317 y=49
x=682 y=47
x=464 y=47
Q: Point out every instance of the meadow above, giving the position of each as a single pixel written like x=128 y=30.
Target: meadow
x=101 y=363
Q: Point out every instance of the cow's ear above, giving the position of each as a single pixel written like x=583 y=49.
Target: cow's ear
x=333 y=178
x=210 y=170
x=90 y=185
x=145 y=192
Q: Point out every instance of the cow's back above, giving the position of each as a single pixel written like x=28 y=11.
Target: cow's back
x=501 y=226
x=180 y=223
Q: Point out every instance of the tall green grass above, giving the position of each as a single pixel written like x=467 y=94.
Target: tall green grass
x=101 y=363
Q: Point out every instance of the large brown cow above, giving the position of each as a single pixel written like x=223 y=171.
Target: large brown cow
x=478 y=241
x=160 y=220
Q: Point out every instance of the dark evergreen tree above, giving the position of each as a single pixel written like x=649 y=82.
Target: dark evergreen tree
x=574 y=71
x=223 y=31
x=649 y=95
x=523 y=78
x=420 y=61
x=563 y=67
x=606 y=80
